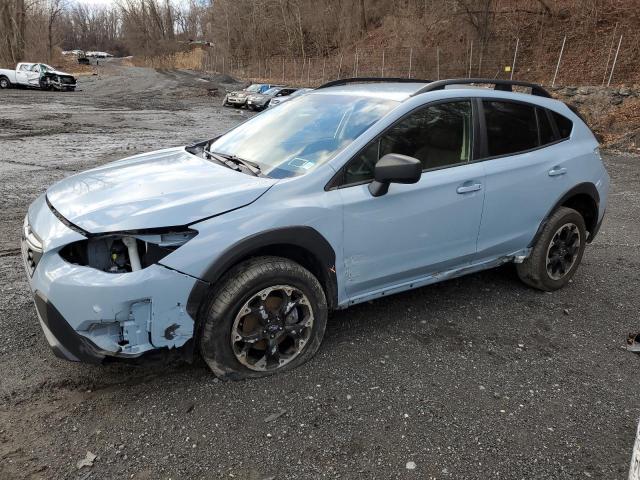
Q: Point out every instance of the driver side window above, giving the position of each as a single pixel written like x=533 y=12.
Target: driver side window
x=438 y=135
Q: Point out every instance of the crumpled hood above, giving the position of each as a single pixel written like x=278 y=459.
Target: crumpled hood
x=158 y=189
x=58 y=72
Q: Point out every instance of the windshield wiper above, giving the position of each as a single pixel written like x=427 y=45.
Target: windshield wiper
x=254 y=168
x=221 y=160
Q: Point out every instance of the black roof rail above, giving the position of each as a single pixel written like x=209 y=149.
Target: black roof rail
x=345 y=81
x=500 y=84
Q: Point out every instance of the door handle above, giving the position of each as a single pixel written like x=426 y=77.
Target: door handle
x=555 y=171
x=469 y=188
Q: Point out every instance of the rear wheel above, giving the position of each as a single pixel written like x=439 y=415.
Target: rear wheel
x=268 y=315
x=557 y=252
x=4 y=82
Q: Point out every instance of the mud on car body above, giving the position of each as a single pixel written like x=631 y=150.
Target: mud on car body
x=240 y=246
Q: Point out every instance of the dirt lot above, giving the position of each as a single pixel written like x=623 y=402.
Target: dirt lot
x=478 y=377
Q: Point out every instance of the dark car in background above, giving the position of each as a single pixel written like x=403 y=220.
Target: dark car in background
x=260 y=101
x=238 y=98
x=280 y=100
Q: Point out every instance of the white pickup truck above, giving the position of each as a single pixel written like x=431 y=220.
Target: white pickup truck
x=37 y=75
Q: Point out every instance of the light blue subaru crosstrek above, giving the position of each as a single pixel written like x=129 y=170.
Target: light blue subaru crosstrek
x=238 y=247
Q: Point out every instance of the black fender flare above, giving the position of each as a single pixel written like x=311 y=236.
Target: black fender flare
x=587 y=188
x=302 y=237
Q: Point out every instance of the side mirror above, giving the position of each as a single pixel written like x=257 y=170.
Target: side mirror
x=394 y=168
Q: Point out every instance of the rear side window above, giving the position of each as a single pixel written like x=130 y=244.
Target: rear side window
x=546 y=130
x=564 y=125
x=511 y=127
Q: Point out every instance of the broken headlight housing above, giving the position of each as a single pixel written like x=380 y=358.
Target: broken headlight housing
x=126 y=251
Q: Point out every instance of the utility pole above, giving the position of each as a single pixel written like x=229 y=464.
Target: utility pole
x=553 y=83
x=615 y=59
x=515 y=54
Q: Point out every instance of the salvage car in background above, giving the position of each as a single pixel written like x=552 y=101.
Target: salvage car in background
x=37 y=75
x=260 y=101
x=280 y=100
x=238 y=98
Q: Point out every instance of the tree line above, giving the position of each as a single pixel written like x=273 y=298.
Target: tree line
x=31 y=29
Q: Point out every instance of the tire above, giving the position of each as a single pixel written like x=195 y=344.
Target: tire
x=238 y=310
x=4 y=82
x=555 y=257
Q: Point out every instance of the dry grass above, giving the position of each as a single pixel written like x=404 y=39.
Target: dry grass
x=190 y=60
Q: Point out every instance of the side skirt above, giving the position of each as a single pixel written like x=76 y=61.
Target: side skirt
x=517 y=257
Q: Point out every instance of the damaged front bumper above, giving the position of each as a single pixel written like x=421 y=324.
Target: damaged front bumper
x=65 y=342
x=87 y=314
x=62 y=83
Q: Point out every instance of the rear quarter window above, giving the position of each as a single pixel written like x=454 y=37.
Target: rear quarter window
x=564 y=125
x=511 y=127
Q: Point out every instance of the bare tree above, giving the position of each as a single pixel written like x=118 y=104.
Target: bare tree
x=363 y=18
x=54 y=10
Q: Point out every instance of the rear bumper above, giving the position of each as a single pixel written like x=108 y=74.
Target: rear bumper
x=593 y=234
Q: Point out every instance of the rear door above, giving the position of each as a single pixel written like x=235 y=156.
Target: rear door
x=526 y=170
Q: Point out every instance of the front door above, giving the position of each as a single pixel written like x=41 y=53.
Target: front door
x=419 y=229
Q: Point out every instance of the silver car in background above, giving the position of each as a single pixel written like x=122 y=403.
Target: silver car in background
x=238 y=98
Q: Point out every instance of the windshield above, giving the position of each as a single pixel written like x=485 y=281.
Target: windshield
x=253 y=88
x=272 y=91
x=300 y=135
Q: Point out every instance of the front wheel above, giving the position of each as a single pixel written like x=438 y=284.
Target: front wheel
x=268 y=315
x=557 y=252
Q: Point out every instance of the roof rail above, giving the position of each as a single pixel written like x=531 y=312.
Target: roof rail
x=345 y=81
x=500 y=84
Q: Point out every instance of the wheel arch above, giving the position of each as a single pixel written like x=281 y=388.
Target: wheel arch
x=585 y=199
x=301 y=244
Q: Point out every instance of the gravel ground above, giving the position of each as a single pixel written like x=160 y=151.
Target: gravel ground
x=478 y=377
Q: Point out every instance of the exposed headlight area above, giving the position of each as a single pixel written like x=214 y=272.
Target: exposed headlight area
x=127 y=251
